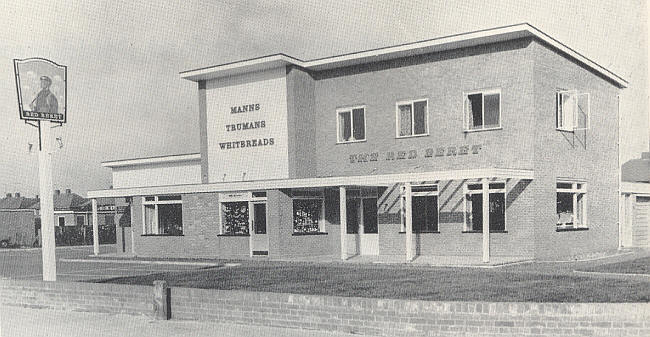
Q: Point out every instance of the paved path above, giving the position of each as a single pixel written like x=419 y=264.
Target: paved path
x=25 y=322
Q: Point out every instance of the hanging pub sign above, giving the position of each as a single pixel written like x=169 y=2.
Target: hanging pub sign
x=42 y=89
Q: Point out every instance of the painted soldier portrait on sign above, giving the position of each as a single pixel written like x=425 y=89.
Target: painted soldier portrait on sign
x=42 y=89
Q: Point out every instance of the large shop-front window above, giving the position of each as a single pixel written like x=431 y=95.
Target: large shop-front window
x=570 y=205
x=163 y=215
x=474 y=207
x=361 y=211
x=351 y=124
x=308 y=211
x=234 y=218
x=424 y=209
x=412 y=118
x=483 y=110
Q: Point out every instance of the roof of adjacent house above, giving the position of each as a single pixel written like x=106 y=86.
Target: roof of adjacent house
x=456 y=41
x=14 y=202
x=64 y=201
x=637 y=170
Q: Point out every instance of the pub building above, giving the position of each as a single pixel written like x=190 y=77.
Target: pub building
x=491 y=146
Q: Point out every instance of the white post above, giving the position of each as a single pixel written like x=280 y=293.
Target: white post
x=408 y=218
x=46 y=187
x=95 y=228
x=344 y=221
x=251 y=218
x=486 y=221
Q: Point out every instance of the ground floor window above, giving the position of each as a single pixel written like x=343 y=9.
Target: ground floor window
x=570 y=204
x=361 y=211
x=163 y=215
x=424 y=209
x=474 y=207
x=234 y=218
x=308 y=211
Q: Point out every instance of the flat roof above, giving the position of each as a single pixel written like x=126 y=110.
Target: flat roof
x=153 y=160
x=370 y=180
x=403 y=50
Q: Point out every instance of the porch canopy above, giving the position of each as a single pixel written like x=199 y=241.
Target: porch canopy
x=484 y=174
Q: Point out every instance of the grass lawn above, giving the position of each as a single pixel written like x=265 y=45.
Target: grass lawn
x=637 y=266
x=408 y=282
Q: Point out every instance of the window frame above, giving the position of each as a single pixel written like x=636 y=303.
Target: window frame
x=155 y=202
x=58 y=220
x=319 y=196
x=467 y=191
x=362 y=194
x=559 y=107
x=435 y=193
x=426 y=116
x=577 y=187
x=250 y=197
x=352 y=128
x=483 y=92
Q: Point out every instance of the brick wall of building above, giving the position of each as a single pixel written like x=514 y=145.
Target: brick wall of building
x=591 y=156
x=377 y=317
x=200 y=232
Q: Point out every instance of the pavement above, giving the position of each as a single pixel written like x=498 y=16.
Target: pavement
x=19 y=321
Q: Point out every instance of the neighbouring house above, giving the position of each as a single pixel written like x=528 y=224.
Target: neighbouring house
x=18 y=225
x=494 y=145
x=20 y=220
x=635 y=202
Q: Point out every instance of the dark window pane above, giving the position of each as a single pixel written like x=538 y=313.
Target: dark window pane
x=497 y=211
x=564 y=185
x=170 y=219
x=475 y=212
x=352 y=215
x=259 y=194
x=425 y=213
x=169 y=197
x=492 y=110
x=564 y=208
x=475 y=111
x=474 y=187
x=425 y=188
x=150 y=198
x=80 y=220
x=370 y=216
x=259 y=222
x=420 y=118
x=345 y=126
x=359 y=124
x=61 y=221
x=405 y=120
x=497 y=186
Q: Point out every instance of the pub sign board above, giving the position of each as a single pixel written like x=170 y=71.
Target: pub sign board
x=41 y=86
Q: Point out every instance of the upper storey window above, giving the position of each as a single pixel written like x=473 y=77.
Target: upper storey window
x=572 y=110
x=351 y=124
x=482 y=110
x=412 y=118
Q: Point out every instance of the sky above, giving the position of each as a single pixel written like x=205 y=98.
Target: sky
x=126 y=98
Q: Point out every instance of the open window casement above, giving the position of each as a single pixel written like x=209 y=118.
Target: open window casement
x=572 y=110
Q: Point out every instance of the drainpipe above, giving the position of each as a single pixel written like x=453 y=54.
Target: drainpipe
x=621 y=221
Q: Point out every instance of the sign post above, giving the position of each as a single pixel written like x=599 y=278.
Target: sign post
x=43 y=84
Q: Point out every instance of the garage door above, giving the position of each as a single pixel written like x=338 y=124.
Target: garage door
x=641 y=222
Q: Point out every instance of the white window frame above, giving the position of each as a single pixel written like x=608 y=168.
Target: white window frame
x=58 y=221
x=577 y=187
x=420 y=194
x=241 y=197
x=559 y=122
x=467 y=191
x=320 y=195
x=426 y=117
x=155 y=203
x=352 y=127
x=466 y=111
x=362 y=194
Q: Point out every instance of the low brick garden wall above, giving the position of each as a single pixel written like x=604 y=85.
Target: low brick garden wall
x=384 y=317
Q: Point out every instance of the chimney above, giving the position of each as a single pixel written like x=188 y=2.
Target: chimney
x=645 y=155
x=17 y=195
x=57 y=192
x=67 y=191
x=8 y=195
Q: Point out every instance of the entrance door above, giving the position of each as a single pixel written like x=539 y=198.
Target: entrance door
x=259 y=238
x=368 y=234
x=641 y=231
